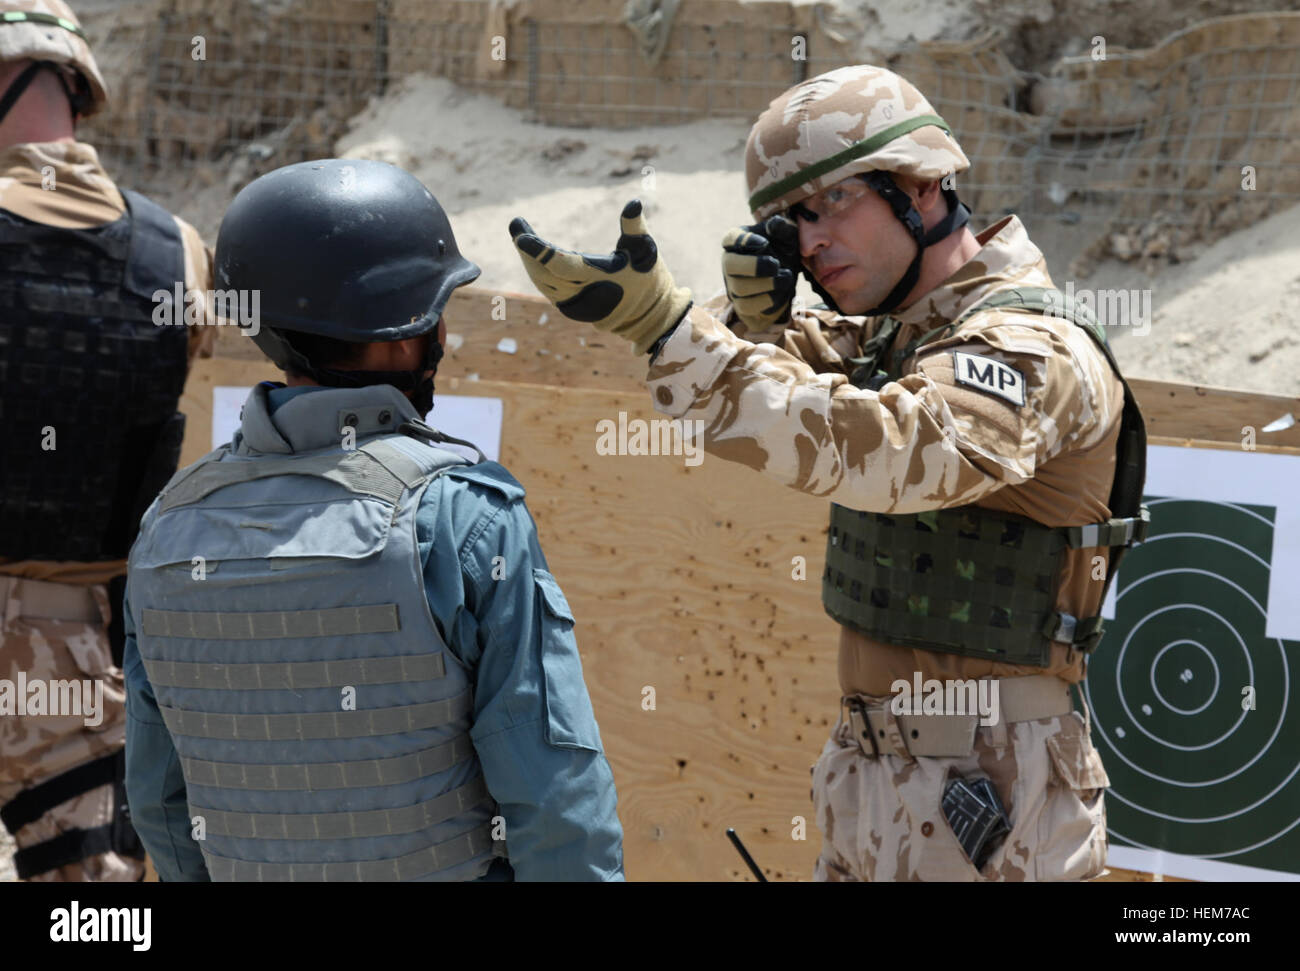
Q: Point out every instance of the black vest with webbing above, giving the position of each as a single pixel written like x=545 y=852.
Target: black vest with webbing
x=968 y=580
x=89 y=383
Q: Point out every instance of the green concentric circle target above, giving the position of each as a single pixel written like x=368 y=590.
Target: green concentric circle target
x=1192 y=704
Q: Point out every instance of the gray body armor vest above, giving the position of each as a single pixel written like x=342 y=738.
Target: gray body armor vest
x=321 y=722
x=973 y=581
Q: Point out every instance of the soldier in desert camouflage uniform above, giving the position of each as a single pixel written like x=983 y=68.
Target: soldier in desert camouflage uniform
x=933 y=380
x=79 y=355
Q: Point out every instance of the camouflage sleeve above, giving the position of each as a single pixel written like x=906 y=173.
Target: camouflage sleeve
x=936 y=437
x=822 y=339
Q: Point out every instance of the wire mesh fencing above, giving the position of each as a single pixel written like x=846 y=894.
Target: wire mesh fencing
x=1201 y=131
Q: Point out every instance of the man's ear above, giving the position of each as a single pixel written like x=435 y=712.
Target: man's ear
x=925 y=195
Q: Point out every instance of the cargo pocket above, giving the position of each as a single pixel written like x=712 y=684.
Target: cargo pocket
x=1072 y=828
x=570 y=721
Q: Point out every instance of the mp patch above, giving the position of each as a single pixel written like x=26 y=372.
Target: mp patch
x=986 y=374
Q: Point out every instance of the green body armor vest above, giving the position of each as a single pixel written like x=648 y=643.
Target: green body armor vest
x=975 y=581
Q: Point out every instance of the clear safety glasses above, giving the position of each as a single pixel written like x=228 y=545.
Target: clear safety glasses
x=832 y=201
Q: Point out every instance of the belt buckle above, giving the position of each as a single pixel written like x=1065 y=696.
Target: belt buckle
x=860 y=727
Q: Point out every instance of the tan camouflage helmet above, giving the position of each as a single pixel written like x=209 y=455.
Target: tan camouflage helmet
x=842 y=123
x=47 y=30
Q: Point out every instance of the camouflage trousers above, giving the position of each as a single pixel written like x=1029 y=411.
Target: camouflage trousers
x=59 y=631
x=881 y=817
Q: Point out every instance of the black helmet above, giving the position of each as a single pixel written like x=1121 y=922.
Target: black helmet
x=349 y=249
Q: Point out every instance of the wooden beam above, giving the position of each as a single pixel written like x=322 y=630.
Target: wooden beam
x=548 y=348
x=1201 y=414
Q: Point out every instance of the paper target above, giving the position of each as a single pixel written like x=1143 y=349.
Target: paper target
x=1194 y=708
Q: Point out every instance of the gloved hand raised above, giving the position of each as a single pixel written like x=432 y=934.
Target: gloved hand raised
x=760 y=265
x=629 y=292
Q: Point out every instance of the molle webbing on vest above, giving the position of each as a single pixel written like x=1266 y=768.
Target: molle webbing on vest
x=968 y=580
x=376 y=469
x=326 y=724
x=965 y=580
x=329 y=775
x=412 y=866
x=297 y=675
x=270 y=624
x=257 y=667
x=358 y=472
x=88 y=382
x=346 y=825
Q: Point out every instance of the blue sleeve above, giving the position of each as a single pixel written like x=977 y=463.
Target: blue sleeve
x=503 y=614
x=155 y=787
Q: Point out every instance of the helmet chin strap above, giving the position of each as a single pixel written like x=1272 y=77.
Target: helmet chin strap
x=901 y=204
x=19 y=85
x=78 y=98
x=412 y=381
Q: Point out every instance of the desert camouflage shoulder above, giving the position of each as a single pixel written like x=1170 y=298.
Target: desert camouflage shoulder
x=946 y=432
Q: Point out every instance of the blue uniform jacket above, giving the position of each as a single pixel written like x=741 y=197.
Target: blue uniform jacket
x=503 y=614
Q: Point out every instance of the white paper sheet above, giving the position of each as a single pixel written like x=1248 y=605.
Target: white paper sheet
x=1252 y=478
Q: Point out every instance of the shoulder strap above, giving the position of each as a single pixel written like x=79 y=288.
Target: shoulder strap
x=409 y=461
x=414 y=428
x=157 y=256
x=1129 y=515
x=381 y=468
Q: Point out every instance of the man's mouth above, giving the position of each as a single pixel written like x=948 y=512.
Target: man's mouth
x=829 y=276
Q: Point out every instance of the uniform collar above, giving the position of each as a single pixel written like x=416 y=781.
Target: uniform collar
x=86 y=197
x=1006 y=256
x=315 y=421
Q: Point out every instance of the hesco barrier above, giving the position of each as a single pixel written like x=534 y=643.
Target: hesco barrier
x=1206 y=120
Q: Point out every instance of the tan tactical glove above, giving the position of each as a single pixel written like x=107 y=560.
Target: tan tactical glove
x=760 y=265
x=629 y=292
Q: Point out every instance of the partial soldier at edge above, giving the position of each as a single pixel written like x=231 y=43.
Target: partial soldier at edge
x=89 y=387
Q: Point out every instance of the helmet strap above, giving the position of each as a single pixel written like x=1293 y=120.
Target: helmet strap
x=901 y=204
x=404 y=381
x=18 y=86
x=79 y=99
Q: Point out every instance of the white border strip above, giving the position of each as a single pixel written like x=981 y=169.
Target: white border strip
x=1251 y=478
x=1191 y=867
